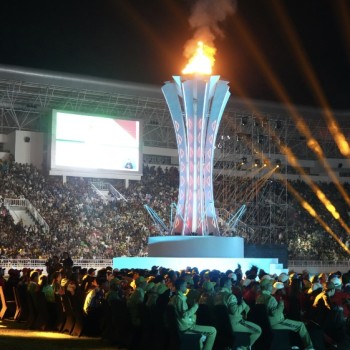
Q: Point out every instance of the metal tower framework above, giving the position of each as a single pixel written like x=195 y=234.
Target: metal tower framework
x=245 y=140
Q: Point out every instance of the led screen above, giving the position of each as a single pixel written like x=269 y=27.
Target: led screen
x=93 y=144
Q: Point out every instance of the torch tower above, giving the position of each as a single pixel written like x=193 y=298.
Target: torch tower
x=196 y=105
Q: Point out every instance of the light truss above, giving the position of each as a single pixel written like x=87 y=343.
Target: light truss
x=28 y=97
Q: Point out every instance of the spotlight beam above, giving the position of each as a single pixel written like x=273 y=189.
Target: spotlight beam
x=313 y=213
x=281 y=92
x=312 y=80
x=342 y=9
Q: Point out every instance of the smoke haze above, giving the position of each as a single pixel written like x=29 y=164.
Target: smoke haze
x=205 y=20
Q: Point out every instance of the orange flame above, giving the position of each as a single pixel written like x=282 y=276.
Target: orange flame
x=202 y=60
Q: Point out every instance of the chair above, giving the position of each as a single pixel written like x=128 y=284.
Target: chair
x=226 y=336
x=70 y=318
x=179 y=340
x=258 y=315
x=116 y=328
x=205 y=315
x=32 y=311
x=76 y=302
x=3 y=303
x=7 y=306
x=42 y=314
x=159 y=328
x=18 y=302
x=147 y=328
x=60 y=313
x=270 y=339
x=21 y=291
x=316 y=335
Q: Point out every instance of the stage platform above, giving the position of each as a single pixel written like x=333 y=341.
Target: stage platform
x=196 y=246
x=203 y=252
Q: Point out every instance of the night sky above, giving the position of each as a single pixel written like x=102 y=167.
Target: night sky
x=143 y=41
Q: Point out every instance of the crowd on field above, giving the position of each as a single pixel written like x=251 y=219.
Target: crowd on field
x=159 y=307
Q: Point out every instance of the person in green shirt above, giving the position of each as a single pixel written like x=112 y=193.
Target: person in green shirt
x=135 y=300
x=236 y=311
x=275 y=313
x=186 y=317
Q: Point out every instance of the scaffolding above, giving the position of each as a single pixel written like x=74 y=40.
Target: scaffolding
x=247 y=146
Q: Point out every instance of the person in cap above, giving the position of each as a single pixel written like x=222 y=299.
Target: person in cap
x=284 y=278
x=94 y=307
x=250 y=291
x=150 y=290
x=276 y=316
x=341 y=298
x=208 y=293
x=192 y=294
x=328 y=315
x=164 y=291
x=136 y=299
x=33 y=288
x=157 y=290
x=186 y=316
x=236 y=311
x=278 y=291
x=91 y=272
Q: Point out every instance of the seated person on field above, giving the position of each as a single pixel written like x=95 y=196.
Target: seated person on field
x=236 y=310
x=327 y=314
x=275 y=313
x=186 y=317
x=137 y=298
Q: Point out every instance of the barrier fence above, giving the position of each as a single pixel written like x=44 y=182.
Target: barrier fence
x=296 y=265
x=19 y=264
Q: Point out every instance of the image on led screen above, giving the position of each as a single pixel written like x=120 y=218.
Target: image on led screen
x=91 y=142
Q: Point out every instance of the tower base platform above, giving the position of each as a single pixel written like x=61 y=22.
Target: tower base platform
x=180 y=263
x=203 y=252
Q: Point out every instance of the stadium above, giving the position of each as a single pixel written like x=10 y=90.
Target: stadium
x=266 y=208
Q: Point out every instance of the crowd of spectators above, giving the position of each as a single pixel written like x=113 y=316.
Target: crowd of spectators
x=83 y=223
x=128 y=307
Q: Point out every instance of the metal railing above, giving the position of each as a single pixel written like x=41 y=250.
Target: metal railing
x=25 y=203
x=100 y=186
x=20 y=264
x=296 y=265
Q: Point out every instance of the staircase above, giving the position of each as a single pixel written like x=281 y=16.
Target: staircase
x=20 y=213
x=22 y=209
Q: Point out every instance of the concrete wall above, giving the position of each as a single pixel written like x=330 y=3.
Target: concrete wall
x=27 y=147
x=266 y=251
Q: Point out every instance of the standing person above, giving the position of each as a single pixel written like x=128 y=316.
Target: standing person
x=236 y=311
x=67 y=263
x=275 y=312
x=186 y=317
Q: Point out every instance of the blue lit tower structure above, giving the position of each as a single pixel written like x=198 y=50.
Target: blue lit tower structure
x=196 y=105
